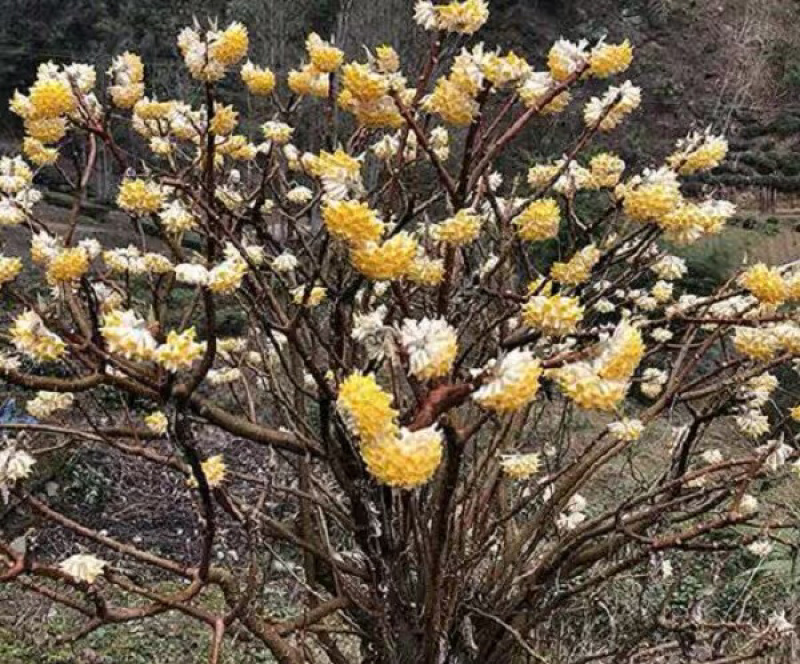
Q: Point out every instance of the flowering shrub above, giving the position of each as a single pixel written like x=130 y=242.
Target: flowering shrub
x=446 y=370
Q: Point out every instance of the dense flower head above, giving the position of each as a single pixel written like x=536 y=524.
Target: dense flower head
x=431 y=346
x=140 y=196
x=513 y=383
x=756 y=343
x=622 y=353
x=51 y=98
x=10 y=267
x=452 y=103
x=15 y=465
x=180 y=351
x=669 y=268
x=577 y=269
x=367 y=409
x=690 y=221
x=30 y=336
x=426 y=271
x=38 y=152
x=606 y=170
x=461 y=16
x=230 y=45
x=46 y=403
x=608 y=111
x=652 y=196
x=504 y=70
x=127 y=333
x=581 y=384
x=461 y=229
x=127 y=80
x=766 y=283
x=308 y=81
x=388 y=261
x=536 y=91
x=157 y=422
x=520 y=466
x=566 y=58
x=325 y=57
x=227 y=276
x=698 y=152
x=609 y=59
x=68 y=265
x=539 y=221
x=352 y=221
x=554 y=315
x=404 y=461
x=259 y=80
x=339 y=172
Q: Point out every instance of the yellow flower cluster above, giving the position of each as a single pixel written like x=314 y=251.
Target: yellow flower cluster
x=553 y=315
x=541 y=174
x=367 y=409
x=157 y=422
x=180 y=350
x=339 y=172
x=30 y=336
x=609 y=59
x=459 y=230
x=608 y=111
x=651 y=197
x=756 y=343
x=766 y=283
x=365 y=94
x=606 y=170
x=9 y=268
x=581 y=384
x=622 y=353
x=140 y=196
x=68 y=265
x=388 y=261
x=452 y=102
x=230 y=45
x=126 y=332
x=578 y=269
x=47 y=403
x=38 y=152
x=501 y=71
x=325 y=58
x=405 y=461
x=51 y=98
x=520 y=466
x=690 y=221
x=214 y=470
x=208 y=57
x=513 y=385
x=698 y=152
x=466 y=17
x=565 y=58
x=795 y=413
x=259 y=80
x=426 y=271
x=539 y=221
x=227 y=276
x=535 y=88
x=127 y=80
